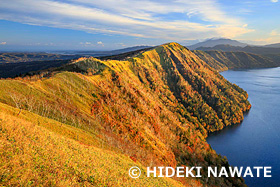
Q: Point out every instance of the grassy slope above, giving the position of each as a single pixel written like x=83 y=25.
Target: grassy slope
x=157 y=108
x=39 y=151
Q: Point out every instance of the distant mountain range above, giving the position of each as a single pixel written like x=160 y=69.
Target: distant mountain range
x=224 y=44
x=222 y=61
x=104 y=53
x=248 y=49
x=223 y=54
x=214 y=42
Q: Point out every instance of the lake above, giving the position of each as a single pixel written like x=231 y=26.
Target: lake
x=255 y=142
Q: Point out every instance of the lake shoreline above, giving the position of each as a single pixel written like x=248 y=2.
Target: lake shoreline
x=254 y=142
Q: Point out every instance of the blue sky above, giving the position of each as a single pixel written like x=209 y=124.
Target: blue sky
x=112 y=24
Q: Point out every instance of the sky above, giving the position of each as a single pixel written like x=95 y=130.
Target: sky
x=113 y=24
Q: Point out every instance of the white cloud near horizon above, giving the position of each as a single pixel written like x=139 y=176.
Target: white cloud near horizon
x=3 y=43
x=100 y=43
x=145 y=19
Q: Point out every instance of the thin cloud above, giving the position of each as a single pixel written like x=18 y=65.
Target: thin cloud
x=274 y=33
x=144 y=19
x=3 y=43
x=272 y=37
x=87 y=44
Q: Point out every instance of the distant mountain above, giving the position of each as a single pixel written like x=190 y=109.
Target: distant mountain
x=214 y=42
x=222 y=47
x=222 y=61
x=128 y=49
x=248 y=49
x=276 y=45
x=107 y=53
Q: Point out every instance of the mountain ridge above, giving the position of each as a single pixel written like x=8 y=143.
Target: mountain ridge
x=261 y=50
x=156 y=107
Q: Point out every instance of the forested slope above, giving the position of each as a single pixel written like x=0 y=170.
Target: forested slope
x=222 y=61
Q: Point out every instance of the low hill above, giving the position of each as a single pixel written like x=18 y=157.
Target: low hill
x=30 y=57
x=276 y=45
x=153 y=109
x=222 y=61
x=21 y=68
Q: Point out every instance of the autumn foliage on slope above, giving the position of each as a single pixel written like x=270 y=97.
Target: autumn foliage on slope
x=157 y=107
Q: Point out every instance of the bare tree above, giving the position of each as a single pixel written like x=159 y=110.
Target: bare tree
x=17 y=100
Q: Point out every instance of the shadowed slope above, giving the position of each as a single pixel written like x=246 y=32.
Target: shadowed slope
x=236 y=60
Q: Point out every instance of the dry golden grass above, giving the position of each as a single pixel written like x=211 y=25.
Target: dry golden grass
x=31 y=155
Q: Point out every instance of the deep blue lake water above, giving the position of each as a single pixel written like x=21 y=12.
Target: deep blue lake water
x=255 y=142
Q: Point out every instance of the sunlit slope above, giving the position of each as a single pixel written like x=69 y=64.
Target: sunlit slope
x=32 y=155
x=157 y=108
